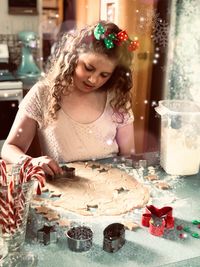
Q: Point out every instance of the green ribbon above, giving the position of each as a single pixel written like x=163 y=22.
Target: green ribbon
x=99 y=32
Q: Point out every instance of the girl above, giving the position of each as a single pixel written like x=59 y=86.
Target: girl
x=81 y=108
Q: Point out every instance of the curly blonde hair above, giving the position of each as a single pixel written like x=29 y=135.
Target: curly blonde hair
x=63 y=63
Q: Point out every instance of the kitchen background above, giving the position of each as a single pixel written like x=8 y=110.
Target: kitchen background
x=166 y=65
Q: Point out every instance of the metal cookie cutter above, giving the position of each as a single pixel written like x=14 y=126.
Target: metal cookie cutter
x=114 y=237
x=47 y=234
x=68 y=172
x=79 y=238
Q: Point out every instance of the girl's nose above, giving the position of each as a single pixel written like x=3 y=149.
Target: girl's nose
x=93 y=79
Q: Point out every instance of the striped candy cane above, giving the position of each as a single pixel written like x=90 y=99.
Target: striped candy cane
x=22 y=172
x=10 y=203
x=20 y=198
x=4 y=221
x=3 y=180
x=36 y=172
x=28 y=172
x=12 y=199
x=19 y=205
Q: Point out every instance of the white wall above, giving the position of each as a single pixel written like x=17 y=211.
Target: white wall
x=12 y=24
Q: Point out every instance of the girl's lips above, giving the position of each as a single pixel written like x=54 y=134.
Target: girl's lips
x=88 y=85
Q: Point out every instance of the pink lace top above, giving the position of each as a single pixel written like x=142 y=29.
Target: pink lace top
x=68 y=140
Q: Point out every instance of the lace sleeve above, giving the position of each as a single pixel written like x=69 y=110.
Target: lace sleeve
x=33 y=104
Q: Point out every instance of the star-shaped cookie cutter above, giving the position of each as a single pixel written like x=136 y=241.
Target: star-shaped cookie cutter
x=158 y=219
x=47 y=234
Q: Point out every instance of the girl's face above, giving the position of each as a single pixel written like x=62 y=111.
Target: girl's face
x=92 y=71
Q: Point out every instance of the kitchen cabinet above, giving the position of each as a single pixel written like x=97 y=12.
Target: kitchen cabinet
x=52 y=18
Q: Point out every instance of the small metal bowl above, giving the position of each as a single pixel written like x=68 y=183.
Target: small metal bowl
x=79 y=238
x=114 y=237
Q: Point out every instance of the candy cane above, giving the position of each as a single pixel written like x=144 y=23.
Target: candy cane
x=20 y=199
x=37 y=173
x=12 y=205
x=3 y=204
x=22 y=172
x=19 y=206
x=10 y=202
x=3 y=173
x=4 y=222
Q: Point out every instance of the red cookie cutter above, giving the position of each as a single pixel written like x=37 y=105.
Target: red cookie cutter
x=164 y=215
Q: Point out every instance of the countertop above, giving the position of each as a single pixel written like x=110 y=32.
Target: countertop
x=141 y=248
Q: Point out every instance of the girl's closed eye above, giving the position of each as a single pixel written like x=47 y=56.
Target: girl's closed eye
x=88 y=68
x=105 y=75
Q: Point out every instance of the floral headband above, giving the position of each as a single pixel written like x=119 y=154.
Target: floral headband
x=112 y=39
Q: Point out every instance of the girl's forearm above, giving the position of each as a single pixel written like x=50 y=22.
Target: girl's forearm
x=11 y=153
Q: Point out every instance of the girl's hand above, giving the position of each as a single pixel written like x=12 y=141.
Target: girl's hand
x=49 y=165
